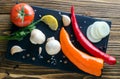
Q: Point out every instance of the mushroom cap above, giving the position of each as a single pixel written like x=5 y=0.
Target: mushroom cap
x=37 y=37
x=53 y=47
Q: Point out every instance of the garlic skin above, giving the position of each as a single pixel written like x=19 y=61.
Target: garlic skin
x=66 y=20
x=52 y=46
x=16 y=49
x=37 y=37
x=40 y=50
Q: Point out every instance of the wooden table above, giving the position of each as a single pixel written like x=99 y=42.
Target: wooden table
x=95 y=8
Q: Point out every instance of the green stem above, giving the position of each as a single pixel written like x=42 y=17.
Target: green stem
x=20 y=34
x=4 y=37
x=35 y=22
x=22 y=14
x=31 y=25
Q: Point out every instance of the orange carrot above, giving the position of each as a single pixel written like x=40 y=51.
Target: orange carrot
x=83 y=61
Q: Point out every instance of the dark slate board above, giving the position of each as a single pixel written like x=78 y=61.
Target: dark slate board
x=57 y=61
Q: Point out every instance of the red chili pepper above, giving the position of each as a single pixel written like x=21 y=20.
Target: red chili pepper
x=87 y=44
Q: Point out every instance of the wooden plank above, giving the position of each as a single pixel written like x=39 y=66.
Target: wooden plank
x=103 y=9
x=93 y=8
x=44 y=72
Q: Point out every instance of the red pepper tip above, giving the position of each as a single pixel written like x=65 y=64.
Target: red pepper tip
x=72 y=7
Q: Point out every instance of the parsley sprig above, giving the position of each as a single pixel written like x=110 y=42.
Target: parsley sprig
x=21 y=33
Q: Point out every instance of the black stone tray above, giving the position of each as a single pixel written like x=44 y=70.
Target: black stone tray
x=59 y=61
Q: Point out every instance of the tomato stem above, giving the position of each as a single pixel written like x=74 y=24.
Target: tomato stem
x=22 y=14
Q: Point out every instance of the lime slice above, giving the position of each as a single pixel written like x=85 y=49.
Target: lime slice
x=51 y=21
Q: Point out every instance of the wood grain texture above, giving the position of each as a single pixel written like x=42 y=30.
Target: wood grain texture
x=103 y=9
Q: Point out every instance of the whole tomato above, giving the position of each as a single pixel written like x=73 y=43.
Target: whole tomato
x=22 y=14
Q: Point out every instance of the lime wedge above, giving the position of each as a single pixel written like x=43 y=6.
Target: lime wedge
x=51 y=21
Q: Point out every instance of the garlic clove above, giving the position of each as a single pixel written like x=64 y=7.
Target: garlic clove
x=16 y=49
x=66 y=20
x=52 y=46
x=40 y=50
x=37 y=37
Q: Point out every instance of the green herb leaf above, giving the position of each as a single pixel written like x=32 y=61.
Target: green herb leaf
x=20 y=34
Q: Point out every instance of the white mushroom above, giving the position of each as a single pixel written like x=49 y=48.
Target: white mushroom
x=37 y=37
x=66 y=20
x=16 y=49
x=52 y=46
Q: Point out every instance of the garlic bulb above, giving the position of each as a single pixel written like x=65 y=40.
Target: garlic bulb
x=37 y=37
x=52 y=46
x=66 y=20
x=16 y=49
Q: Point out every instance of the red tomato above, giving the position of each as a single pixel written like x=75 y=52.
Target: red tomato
x=22 y=14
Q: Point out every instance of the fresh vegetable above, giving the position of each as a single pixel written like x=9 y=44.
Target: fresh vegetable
x=102 y=28
x=37 y=37
x=92 y=35
x=94 y=32
x=40 y=51
x=21 y=33
x=97 y=31
x=51 y=21
x=22 y=15
x=66 y=20
x=16 y=49
x=80 y=59
x=52 y=46
x=88 y=45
